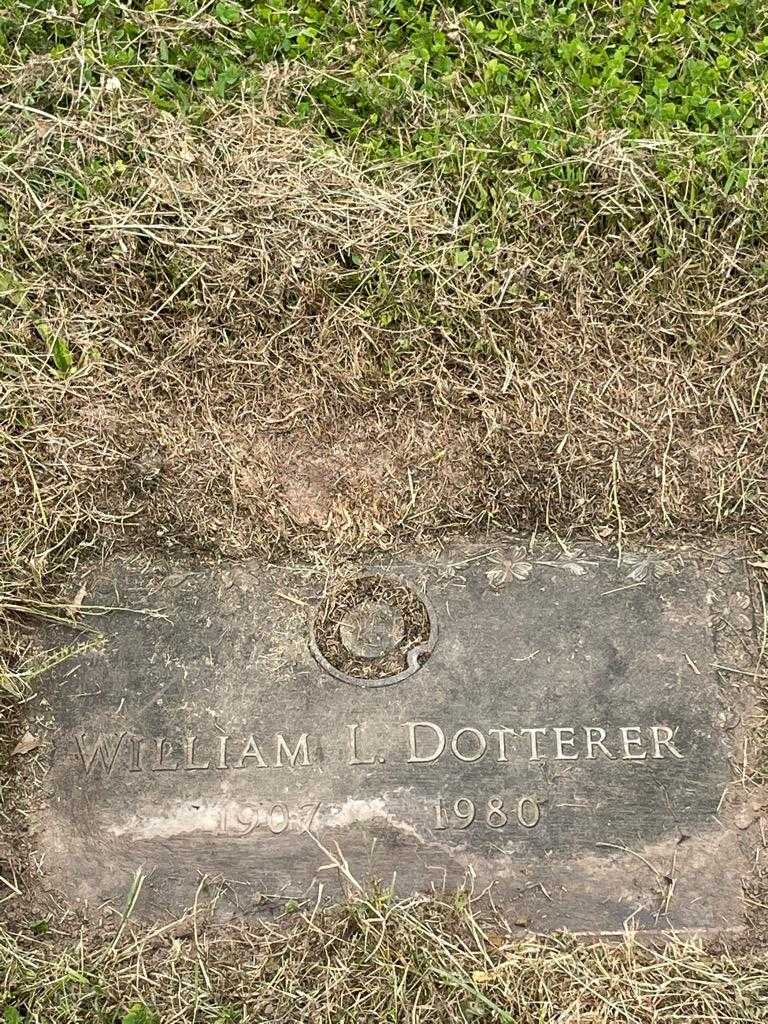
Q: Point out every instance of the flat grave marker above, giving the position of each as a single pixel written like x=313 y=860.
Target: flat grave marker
x=548 y=727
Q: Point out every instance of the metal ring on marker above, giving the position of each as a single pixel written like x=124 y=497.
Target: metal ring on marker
x=406 y=656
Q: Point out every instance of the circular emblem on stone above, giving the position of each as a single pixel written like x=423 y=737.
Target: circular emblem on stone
x=373 y=631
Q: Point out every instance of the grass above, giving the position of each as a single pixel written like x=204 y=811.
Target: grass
x=374 y=959
x=209 y=328
x=303 y=281
x=508 y=87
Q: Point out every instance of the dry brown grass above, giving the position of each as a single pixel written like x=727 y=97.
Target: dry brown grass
x=373 y=960
x=275 y=353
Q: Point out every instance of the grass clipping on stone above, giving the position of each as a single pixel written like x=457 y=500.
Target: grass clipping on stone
x=373 y=959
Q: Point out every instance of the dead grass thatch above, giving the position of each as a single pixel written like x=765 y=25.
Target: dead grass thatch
x=233 y=339
x=371 y=960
